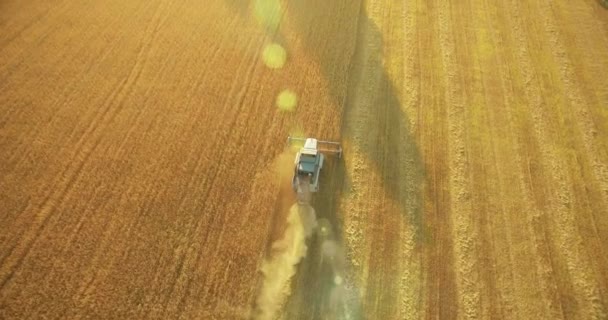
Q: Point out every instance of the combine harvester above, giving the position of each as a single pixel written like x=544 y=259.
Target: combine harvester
x=308 y=165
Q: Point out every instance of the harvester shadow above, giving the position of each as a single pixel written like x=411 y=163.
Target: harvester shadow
x=365 y=87
x=367 y=94
x=392 y=144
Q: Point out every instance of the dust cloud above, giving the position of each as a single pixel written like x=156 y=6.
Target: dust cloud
x=280 y=267
x=342 y=304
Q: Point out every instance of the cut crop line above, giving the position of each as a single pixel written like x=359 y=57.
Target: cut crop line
x=566 y=236
x=465 y=238
x=509 y=88
x=533 y=94
x=579 y=101
x=577 y=260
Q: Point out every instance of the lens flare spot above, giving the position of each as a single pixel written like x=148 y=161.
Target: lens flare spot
x=287 y=100
x=297 y=131
x=274 y=56
x=268 y=13
x=324 y=228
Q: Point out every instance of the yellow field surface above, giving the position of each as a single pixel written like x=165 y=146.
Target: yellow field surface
x=144 y=171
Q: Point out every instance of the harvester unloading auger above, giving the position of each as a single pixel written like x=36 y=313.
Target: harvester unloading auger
x=308 y=165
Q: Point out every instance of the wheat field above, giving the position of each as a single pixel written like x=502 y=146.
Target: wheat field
x=144 y=171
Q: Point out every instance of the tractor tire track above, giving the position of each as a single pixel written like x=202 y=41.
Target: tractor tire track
x=67 y=180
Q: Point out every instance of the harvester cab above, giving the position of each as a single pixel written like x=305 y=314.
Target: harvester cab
x=308 y=164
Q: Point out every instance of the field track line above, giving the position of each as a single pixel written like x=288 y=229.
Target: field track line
x=70 y=174
x=467 y=279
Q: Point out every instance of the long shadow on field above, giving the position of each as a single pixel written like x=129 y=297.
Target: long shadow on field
x=376 y=125
x=367 y=95
x=363 y=87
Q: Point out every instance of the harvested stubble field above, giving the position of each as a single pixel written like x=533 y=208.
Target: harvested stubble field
x=139 y=144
